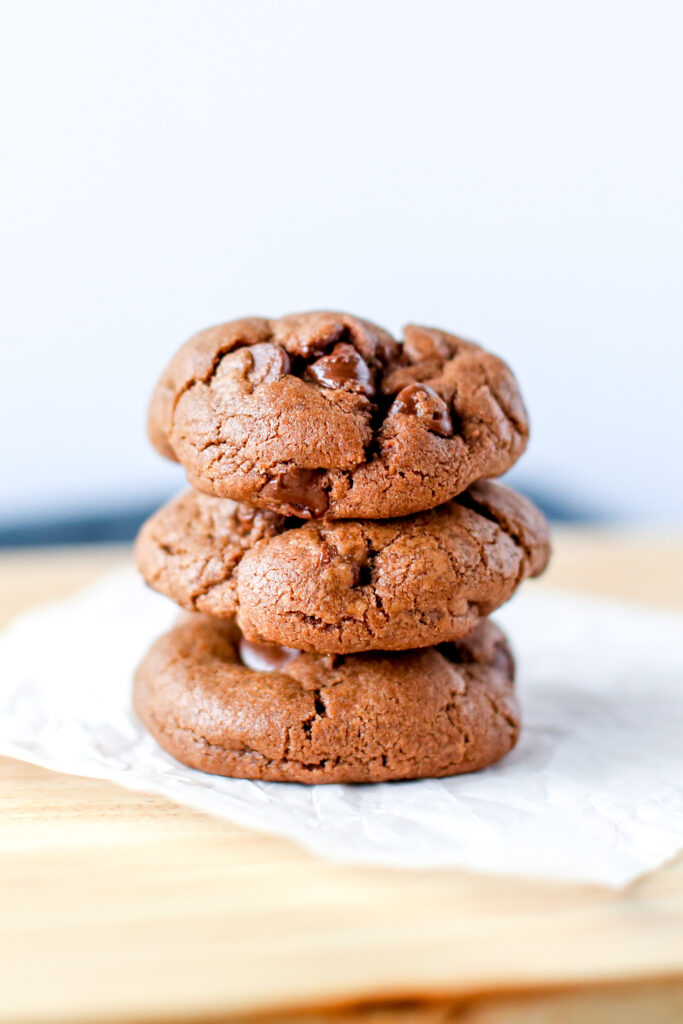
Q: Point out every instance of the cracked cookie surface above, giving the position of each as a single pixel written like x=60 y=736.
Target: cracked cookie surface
x=308 y=718
x=346 y=586
x=325 y=414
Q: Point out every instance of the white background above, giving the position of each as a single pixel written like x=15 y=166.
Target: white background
x=510 y=171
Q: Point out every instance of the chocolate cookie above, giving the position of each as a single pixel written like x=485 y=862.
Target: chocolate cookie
x=341 y=587
x=324 y=414
x=219 y=704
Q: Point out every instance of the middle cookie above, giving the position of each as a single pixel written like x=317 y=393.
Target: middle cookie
x=342 y=586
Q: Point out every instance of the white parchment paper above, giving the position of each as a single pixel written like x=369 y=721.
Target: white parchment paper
x=593 y=792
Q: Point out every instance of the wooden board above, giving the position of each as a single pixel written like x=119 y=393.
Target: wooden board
x=116 y=906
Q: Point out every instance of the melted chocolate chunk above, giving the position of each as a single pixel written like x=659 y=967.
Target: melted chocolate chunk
x=299 y=489
x=265 y=657
x=259 y=364
x=343 y=368
x=269 y=363
x=328 y=553
x=422 y=401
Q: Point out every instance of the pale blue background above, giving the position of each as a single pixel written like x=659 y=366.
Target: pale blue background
x=511 y=171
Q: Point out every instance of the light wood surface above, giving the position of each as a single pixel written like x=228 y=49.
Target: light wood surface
x=116 y=906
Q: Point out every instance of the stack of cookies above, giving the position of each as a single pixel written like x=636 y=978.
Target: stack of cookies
x=338 y=554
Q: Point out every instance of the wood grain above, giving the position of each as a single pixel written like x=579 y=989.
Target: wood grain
x=119 y=906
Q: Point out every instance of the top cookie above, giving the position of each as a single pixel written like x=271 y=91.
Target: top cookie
x=326 y=415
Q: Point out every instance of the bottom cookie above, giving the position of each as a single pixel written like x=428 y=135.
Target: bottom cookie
x=221 y=704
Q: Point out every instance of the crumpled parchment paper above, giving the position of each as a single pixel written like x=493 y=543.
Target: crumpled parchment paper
x=593 y=791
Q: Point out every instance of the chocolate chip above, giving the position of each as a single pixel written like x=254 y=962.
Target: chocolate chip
x=265 y=657
x=259 y=364
x=344 y=368
x=422 y=401
x=328 y=553
x=269 y=363
x=299 y=490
